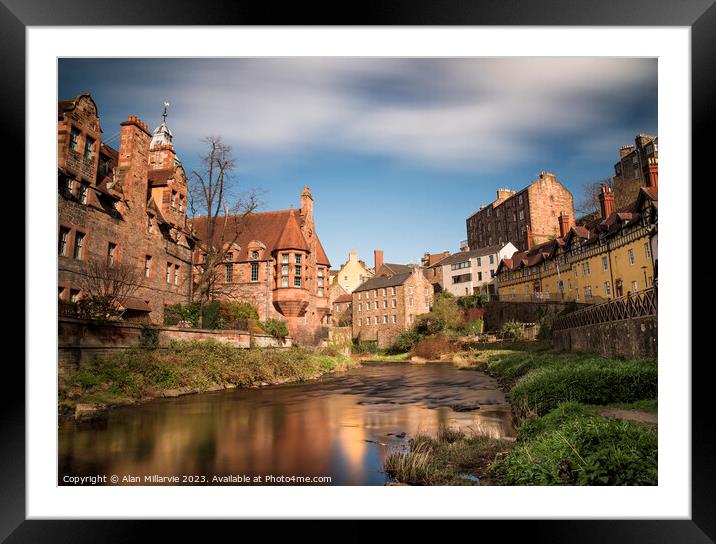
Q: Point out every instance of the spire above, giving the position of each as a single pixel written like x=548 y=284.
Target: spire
x=162 y=135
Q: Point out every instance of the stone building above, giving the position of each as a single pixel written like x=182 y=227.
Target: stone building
x=352 y=273
x=637 y=164
x=526 y=217
x=387 y=304
x=342 y=310
x=470 y=272
x=121 y=208
x=276 y=263
x=612 y=256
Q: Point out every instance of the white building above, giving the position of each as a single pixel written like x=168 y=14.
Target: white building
x=470 y=272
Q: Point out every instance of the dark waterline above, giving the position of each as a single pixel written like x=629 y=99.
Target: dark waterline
x=341 y=426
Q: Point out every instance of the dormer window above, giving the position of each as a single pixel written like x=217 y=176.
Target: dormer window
x=229 y=256
x=254 y=255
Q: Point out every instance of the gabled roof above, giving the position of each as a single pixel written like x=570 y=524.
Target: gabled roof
x=463 y=256
x=276 y=230
x=393 y=268
x=383 y=281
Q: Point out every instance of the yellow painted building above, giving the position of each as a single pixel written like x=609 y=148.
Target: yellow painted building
x=352 y=273
x=609 y=258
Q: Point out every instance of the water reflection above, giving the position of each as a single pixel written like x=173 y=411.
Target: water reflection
x=341 y=426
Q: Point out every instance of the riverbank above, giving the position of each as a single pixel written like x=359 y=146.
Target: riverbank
x=139 y=375
x=581 y=420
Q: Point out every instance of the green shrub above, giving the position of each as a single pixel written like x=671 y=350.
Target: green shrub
x=238 y=315
x=149 y=337
x=591 y=381
x=472 y=301
x=174 y=313
x=97 y=308
x=429 y=324
x=446 y=309
x=405 y=341
x=211 y=316
x=514 y=330
x=574 y=447
x=364 y=347
x=475 y=326
x=275 y=328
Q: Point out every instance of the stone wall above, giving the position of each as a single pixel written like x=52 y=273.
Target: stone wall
x=628 y=338
x=80 y=341
x=499 y=312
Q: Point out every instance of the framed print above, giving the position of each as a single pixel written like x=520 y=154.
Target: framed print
x=400 y=267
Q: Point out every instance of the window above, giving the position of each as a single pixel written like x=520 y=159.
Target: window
x=410 y=290
x=367 y=306
x=84 y=193
x=320 y=291
x=320 y=276
x=385 y=320
x=284 y=270
x=150 y=222
x=74 y=295
x=375 y=320
x=61 y=293
x=111 y=250
x=229 y=256
x=492 y=259
x=89 y=148
x=462 y=278
x=410 y=318
x=360 y=306
x=147 y=266
x=74 y=139
x=479 y=276
x=394 y=319
x=169 y=273
x=588 y=292
x=62 y=244
x=254 y=272
x=585 y=269
x=174 y=199
x=385 y=304
x=522 y=215
x=229 y=272
x=631 y=256
x=634 y=286
x=607 y=288
x=284 y=281
x=360 y=296
x=647 y=250
x=394 y=303
x=284 y=258
x=519 y=199
x=479 y=261
x=410 y=302
x=297 y=281
x=79 y=245
x=458 y=266
x=385 y=292
x=393 y=291
x=176 y=274
x=181 y=203
x=297 y=258
x=70 y=187
x=605 y=263
x=427 y=302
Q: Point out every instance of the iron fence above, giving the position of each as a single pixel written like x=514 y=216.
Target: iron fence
x=639 y=304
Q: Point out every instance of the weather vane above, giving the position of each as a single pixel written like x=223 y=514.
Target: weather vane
x=166 y=105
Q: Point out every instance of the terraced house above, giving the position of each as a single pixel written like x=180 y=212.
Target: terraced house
x=610 y=257
x=387 y=304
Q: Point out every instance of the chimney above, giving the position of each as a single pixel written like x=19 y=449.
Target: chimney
x=563 y=224
x=307 y=205
x=652 y=179
x=606 y=201
x=528 y=238
x=377 y=259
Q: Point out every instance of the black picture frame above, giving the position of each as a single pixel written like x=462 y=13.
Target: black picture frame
x=699 y=15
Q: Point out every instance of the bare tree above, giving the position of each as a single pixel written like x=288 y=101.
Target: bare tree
x=212 y=194
x=106 y=287
x=590 y=200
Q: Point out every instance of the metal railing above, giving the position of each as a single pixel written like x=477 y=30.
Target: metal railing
x=547 y=297
x=638 y=304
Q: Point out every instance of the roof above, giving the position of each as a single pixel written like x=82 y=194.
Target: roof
x=463 y=256
x=344 y=298
x=276 y=230
x=395 y=268
x=137 y=304
x=383 y=281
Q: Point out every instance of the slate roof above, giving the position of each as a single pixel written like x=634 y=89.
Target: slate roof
x=344 y=298
x=463 y=256
x=383 y=281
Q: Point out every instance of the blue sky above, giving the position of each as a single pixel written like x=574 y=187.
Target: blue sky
x=398 y=152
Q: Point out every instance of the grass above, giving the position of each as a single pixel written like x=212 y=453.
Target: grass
x=386 y=358
x=573 y=446
x=451 y=458
x=190 y=366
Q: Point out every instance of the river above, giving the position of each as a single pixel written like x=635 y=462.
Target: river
x=340 y=426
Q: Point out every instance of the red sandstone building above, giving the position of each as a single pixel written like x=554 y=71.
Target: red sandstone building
x=278 y=264
x=128 y=206
x=125 y=206
x=525 y=218
x=637 y=167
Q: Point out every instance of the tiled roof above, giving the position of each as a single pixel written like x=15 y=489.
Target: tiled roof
x=397 y=268
x=383 y=281
x=344 y=298
x=463 y=256
x=276 y=230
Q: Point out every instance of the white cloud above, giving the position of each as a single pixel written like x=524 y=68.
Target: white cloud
x=455 y=113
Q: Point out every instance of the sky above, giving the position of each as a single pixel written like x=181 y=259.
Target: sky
x=397 y=152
